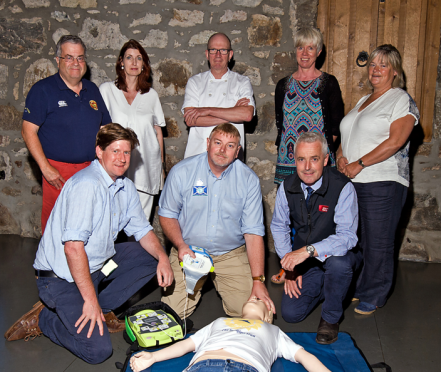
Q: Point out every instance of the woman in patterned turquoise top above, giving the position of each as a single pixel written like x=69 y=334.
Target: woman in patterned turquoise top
x=307 y=100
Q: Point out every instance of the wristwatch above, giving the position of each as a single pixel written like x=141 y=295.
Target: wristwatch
x=361 y=163
x=261 y=278
x=310 y=249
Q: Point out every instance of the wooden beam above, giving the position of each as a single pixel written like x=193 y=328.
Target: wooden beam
x=431 y=56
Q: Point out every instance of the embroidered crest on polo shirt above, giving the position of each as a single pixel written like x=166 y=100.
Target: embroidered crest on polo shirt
x=199 y=189
x=323 y=208
x=62 y=104
x=93 y=104
x=27 y=110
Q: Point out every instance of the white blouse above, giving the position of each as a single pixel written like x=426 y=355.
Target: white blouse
x=145 y=111
x=361 y=132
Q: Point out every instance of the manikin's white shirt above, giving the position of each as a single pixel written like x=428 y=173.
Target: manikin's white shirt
x=145 y=111
x=255 y=341
x=203 y=90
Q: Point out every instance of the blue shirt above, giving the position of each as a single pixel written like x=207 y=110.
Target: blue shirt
x=68 y=122
x=213 y=213
x=345 y=217
x=93 y=209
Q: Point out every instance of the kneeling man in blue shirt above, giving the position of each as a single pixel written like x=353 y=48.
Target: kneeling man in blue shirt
x=77 y=254
x=315 y=228
x=213 y=201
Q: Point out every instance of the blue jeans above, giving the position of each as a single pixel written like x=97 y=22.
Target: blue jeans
x=328 y=281
x=64 y=303
x=380 y=205
x=220 y=365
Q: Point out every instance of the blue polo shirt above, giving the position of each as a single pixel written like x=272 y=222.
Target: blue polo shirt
x=68 y=122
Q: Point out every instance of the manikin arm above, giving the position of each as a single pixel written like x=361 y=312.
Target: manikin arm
x=144 y=359
x=310 y=362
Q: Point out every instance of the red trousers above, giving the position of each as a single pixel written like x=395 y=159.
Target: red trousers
x=50 y=193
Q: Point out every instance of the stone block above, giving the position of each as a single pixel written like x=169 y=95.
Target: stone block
x=97 y=74
x=59 y=32
x=21 y=36
x=201 y=38
x=284 y=63
x=60 y=16
x=252 y=72
x=230 y=16
x=425 y=215
x=265 y=169
x=262 y=54
x=155 y=39
x=413 y=251
x=270 y=198
x=3 y=81
x=186 y=18
x=5 y=167
x=100 y=35
x=10 y=118
x=216 y=2
x=424 y=149
x=4 y=140
x=148 y=19
x=247 y=3
x=170 y=162
x=264 y=31
x=11 y=192
x=173 y=130
x=37 y=190
x=40 y=69
x=18 y=163
x=251 y=145
x=32 y=171
x=437 y=117
x=266 y=118
x=125 y=2
x=36 y=3
x=171 y=76
x=272 y=10
x=83 y=4
x=271 y=147
x=15 y=9
x=8 y=225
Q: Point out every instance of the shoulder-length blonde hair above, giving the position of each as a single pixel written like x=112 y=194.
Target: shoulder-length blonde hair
x=389 y=54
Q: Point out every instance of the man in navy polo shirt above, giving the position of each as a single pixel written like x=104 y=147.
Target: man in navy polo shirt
x=62 y=116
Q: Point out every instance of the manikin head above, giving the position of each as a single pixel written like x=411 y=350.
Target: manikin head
x=256 y=309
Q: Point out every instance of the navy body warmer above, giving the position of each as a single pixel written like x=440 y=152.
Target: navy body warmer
x=318 y=223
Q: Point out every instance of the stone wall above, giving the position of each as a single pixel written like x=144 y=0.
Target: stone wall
x=174 y=34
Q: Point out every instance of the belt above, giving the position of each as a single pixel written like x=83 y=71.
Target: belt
x=45 y=274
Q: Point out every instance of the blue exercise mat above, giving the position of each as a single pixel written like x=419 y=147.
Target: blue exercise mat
x=341 y=356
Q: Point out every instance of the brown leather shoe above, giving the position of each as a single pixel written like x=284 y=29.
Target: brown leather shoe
x=27 y=326
x=113 y=323
x=327 y=333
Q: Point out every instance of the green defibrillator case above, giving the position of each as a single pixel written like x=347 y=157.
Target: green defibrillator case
x=153 y=328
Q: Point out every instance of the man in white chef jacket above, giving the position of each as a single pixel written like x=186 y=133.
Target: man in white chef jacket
x=216 y=96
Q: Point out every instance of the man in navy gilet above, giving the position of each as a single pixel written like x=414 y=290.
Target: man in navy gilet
x=315 y=228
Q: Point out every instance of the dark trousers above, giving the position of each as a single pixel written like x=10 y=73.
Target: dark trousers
x=328 y=281
x=380 y=205
x=65 y=303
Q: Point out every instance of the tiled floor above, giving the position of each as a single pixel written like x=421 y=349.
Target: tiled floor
x=406 y=333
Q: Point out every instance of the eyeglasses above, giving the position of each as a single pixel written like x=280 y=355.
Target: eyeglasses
x=221 y=51
x=71 y=59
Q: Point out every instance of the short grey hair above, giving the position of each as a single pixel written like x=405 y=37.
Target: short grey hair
x=311 y=137
x=73 y=39
x=389 y=54
x=309 y=35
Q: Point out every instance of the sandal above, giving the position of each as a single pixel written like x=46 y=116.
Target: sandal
x=279 y=278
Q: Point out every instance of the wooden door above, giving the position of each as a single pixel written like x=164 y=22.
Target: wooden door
x=412 y=26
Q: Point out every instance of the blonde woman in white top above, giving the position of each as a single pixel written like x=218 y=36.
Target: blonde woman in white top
x=374 y=153
x=134 y=104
